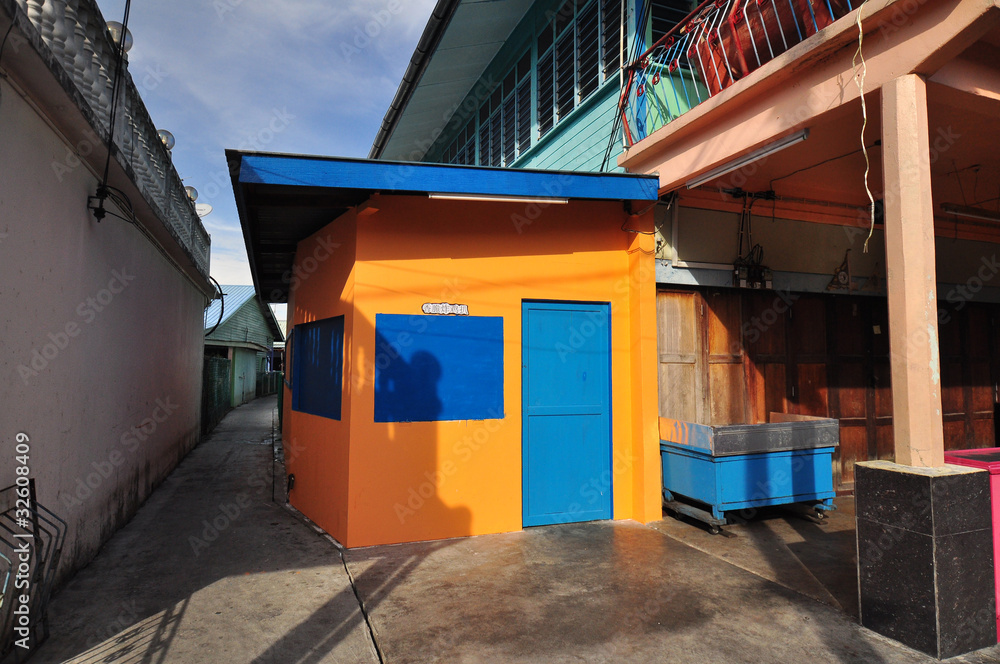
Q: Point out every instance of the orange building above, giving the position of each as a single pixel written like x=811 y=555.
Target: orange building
x=471 y=350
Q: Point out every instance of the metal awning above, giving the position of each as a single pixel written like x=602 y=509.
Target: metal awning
x=283 y=199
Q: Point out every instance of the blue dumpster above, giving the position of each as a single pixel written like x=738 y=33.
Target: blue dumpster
x=711 y=470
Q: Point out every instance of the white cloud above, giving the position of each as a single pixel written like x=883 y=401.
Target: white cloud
x=219 y=73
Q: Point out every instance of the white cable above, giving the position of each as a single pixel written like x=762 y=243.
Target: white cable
x=860 y=80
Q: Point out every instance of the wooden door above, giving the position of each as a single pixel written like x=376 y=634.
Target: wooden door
x=679 y=343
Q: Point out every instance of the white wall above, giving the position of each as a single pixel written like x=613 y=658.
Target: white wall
x=112 y=400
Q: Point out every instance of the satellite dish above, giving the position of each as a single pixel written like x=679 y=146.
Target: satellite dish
x=203 y=209
x=116 y=29
x=167 y=138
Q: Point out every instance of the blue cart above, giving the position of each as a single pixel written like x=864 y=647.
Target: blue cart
x=709 y=471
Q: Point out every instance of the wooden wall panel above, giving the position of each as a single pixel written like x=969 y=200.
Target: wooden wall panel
x=852 y=388
x=808 y=337
x=724 y=322
x=952 y=397
x=729 y=357
x=812 y=391
x=983 y=433
x=853 y=448
x=728 y=396
x=681 y=372
x=679 y=391
x=850 y=331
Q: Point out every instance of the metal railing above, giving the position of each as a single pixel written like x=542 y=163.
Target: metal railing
x=76 y=38
x=31 y=543
x=717 y=44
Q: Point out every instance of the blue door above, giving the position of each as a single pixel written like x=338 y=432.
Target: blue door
x=566 y=369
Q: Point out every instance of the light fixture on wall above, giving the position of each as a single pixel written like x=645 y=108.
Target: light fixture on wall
x=749 y=158
x=542 y=200
x=970 y=212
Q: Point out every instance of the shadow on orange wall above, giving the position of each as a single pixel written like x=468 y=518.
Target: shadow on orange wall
x=399 y=472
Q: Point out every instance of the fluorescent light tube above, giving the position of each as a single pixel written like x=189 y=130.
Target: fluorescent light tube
x=970 y=212
x=498 y=199
x=748 y=159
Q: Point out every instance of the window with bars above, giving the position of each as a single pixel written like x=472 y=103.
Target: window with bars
x=463 y=148
x=578 y=48
x=505 y=118
x=665 y=14
x=612 y=44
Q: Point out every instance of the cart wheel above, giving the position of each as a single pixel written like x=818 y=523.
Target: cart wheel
x=714 y=530
x=821 y=515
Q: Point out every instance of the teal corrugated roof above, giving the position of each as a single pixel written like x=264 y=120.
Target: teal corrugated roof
x=235 y=296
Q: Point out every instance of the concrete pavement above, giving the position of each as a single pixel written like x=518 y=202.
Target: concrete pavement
x=211 y=570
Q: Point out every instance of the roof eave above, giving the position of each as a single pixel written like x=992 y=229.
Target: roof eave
x=429 y=40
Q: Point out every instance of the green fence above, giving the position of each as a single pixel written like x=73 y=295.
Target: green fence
x=215 y=392
x=268 y=382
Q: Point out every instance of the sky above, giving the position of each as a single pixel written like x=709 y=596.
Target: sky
x=296 y=76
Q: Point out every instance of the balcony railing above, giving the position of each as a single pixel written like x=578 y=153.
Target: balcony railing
x=77 y=41
x=719 y=43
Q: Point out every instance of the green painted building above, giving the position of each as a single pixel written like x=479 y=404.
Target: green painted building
x=242 y=329
x=525 y=84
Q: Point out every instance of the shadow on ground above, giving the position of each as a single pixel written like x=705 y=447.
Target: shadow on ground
x=211 y=570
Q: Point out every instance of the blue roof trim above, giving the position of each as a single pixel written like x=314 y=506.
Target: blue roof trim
x=383 y=176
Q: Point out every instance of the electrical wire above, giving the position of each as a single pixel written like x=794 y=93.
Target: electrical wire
x=860 y=80
x=825 y=161
x=116 y=87
x=616 y=123
x=222 y=306
x=2 y=45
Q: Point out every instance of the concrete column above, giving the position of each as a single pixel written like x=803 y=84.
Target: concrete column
x=911 y=278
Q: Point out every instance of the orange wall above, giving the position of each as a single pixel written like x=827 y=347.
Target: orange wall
x=429 y=480
x=317 y=449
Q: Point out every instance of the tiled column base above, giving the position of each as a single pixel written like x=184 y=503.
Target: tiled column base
x=925 y=556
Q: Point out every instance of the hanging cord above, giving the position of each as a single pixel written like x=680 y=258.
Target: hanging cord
x=103 y=191
x=859 y=78
x=222 y=307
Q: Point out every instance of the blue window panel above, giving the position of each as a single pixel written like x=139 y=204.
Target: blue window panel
x=438 y=368
x=318 y=376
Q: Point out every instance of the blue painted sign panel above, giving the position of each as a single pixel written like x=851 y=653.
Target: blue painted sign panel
x=438 y=368
x=318 y=371
x=566 y=360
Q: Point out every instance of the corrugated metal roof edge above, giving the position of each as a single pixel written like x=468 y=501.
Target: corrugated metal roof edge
x=269 y=318
x=429 y=40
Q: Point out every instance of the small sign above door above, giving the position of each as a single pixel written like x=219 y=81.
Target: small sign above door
x=445 y=309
